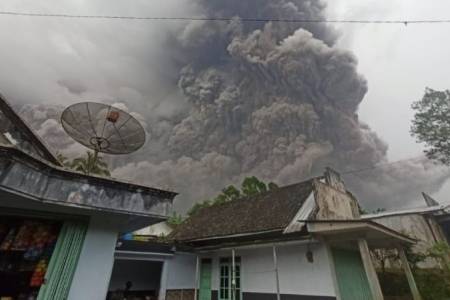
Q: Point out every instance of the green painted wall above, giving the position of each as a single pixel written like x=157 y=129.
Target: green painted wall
x=351 y=275
x=205 y=280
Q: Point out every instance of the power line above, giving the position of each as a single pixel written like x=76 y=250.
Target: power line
x=376 y=166
x=255 y=20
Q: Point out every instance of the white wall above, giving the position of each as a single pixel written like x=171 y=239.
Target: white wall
x=94 y=268
x=181 y=271
x=297 y=276
x=157 y=229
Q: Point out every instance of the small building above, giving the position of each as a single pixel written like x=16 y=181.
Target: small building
x=428 y=225
x=303 y=241
x=58 y=228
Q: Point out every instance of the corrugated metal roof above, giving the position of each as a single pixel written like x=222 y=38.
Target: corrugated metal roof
x=417 y=210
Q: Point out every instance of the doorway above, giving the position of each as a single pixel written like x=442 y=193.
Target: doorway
x=205 y=279
x=135 y=279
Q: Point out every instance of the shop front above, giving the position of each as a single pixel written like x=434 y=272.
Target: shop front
x=38 y=256
x=59 y=228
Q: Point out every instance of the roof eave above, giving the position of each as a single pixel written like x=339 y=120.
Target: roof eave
x=7 y=109
x=36 y=179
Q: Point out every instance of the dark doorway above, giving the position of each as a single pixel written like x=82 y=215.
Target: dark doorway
x=135 y=280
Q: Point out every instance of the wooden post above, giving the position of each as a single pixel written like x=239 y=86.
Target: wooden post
x=233 y=275
x=277 y=278
x=197 y=271
x=409 y=275
x=372 y=277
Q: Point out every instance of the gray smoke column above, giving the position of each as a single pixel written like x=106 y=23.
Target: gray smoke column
x=272 y=99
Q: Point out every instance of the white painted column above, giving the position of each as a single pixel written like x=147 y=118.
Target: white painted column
x=163 y=281
x=233 y=274
x=93 y=272
x=409 y=275
x=275 y=265
x=197 y=271
x=370 y=270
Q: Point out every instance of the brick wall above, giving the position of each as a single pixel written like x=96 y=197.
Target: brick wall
x=180 y=295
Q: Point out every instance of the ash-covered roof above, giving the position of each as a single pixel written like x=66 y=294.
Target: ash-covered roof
x=40 y=180
x=26 y=139
x=270 y=211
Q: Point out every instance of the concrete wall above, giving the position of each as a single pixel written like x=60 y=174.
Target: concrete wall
x=95 y=264
x=297 y=276
x=417 y=227
x=334 y=204
x=181 y=272
x=157 y=229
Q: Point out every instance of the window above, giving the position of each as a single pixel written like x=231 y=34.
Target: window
x=226 y=285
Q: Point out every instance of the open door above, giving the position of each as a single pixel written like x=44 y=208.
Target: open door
x=351 y=275
x=205 y=279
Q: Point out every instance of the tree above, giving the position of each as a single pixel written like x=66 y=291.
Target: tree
x=431 y=124
x=89 y=164
x=174 y=220
x=250 y=186
x=62 y=159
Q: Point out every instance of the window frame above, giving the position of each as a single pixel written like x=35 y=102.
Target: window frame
x=225 y=278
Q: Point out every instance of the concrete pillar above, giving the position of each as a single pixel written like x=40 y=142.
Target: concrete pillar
x=409 y=275
x=233 y=274
x=197 y=278
x=372 y=276
x=163 y=281
x=275 y=264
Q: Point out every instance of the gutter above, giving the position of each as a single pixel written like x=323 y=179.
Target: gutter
x=12 y=153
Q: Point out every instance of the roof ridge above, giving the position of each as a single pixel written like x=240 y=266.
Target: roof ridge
x=259 y=195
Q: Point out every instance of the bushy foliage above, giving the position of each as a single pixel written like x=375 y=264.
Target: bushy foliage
x=175 y=220
x=431 y=124
x=433 y=284
x=250 y=186
x=89 y=164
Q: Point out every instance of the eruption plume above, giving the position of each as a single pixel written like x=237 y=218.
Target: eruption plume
x=271 y=99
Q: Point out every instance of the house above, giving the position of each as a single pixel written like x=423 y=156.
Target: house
x=428 y=225
x=58 y=228
x=302 y=241
x=156 y=230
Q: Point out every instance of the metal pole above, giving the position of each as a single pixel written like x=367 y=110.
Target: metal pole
x=233 y=275
x=91 y=164
x=197 y=267
x=275 y=264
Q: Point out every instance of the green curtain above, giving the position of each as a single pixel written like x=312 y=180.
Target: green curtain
x=63 y=261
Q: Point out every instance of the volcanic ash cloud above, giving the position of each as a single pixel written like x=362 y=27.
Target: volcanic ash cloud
x=273 y=99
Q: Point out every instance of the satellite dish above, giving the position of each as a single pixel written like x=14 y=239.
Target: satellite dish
x=103 y=128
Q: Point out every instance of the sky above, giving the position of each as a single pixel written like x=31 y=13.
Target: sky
x=46 y=60
x=399 y=62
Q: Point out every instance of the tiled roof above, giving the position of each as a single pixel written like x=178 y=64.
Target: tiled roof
x=272 y=210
